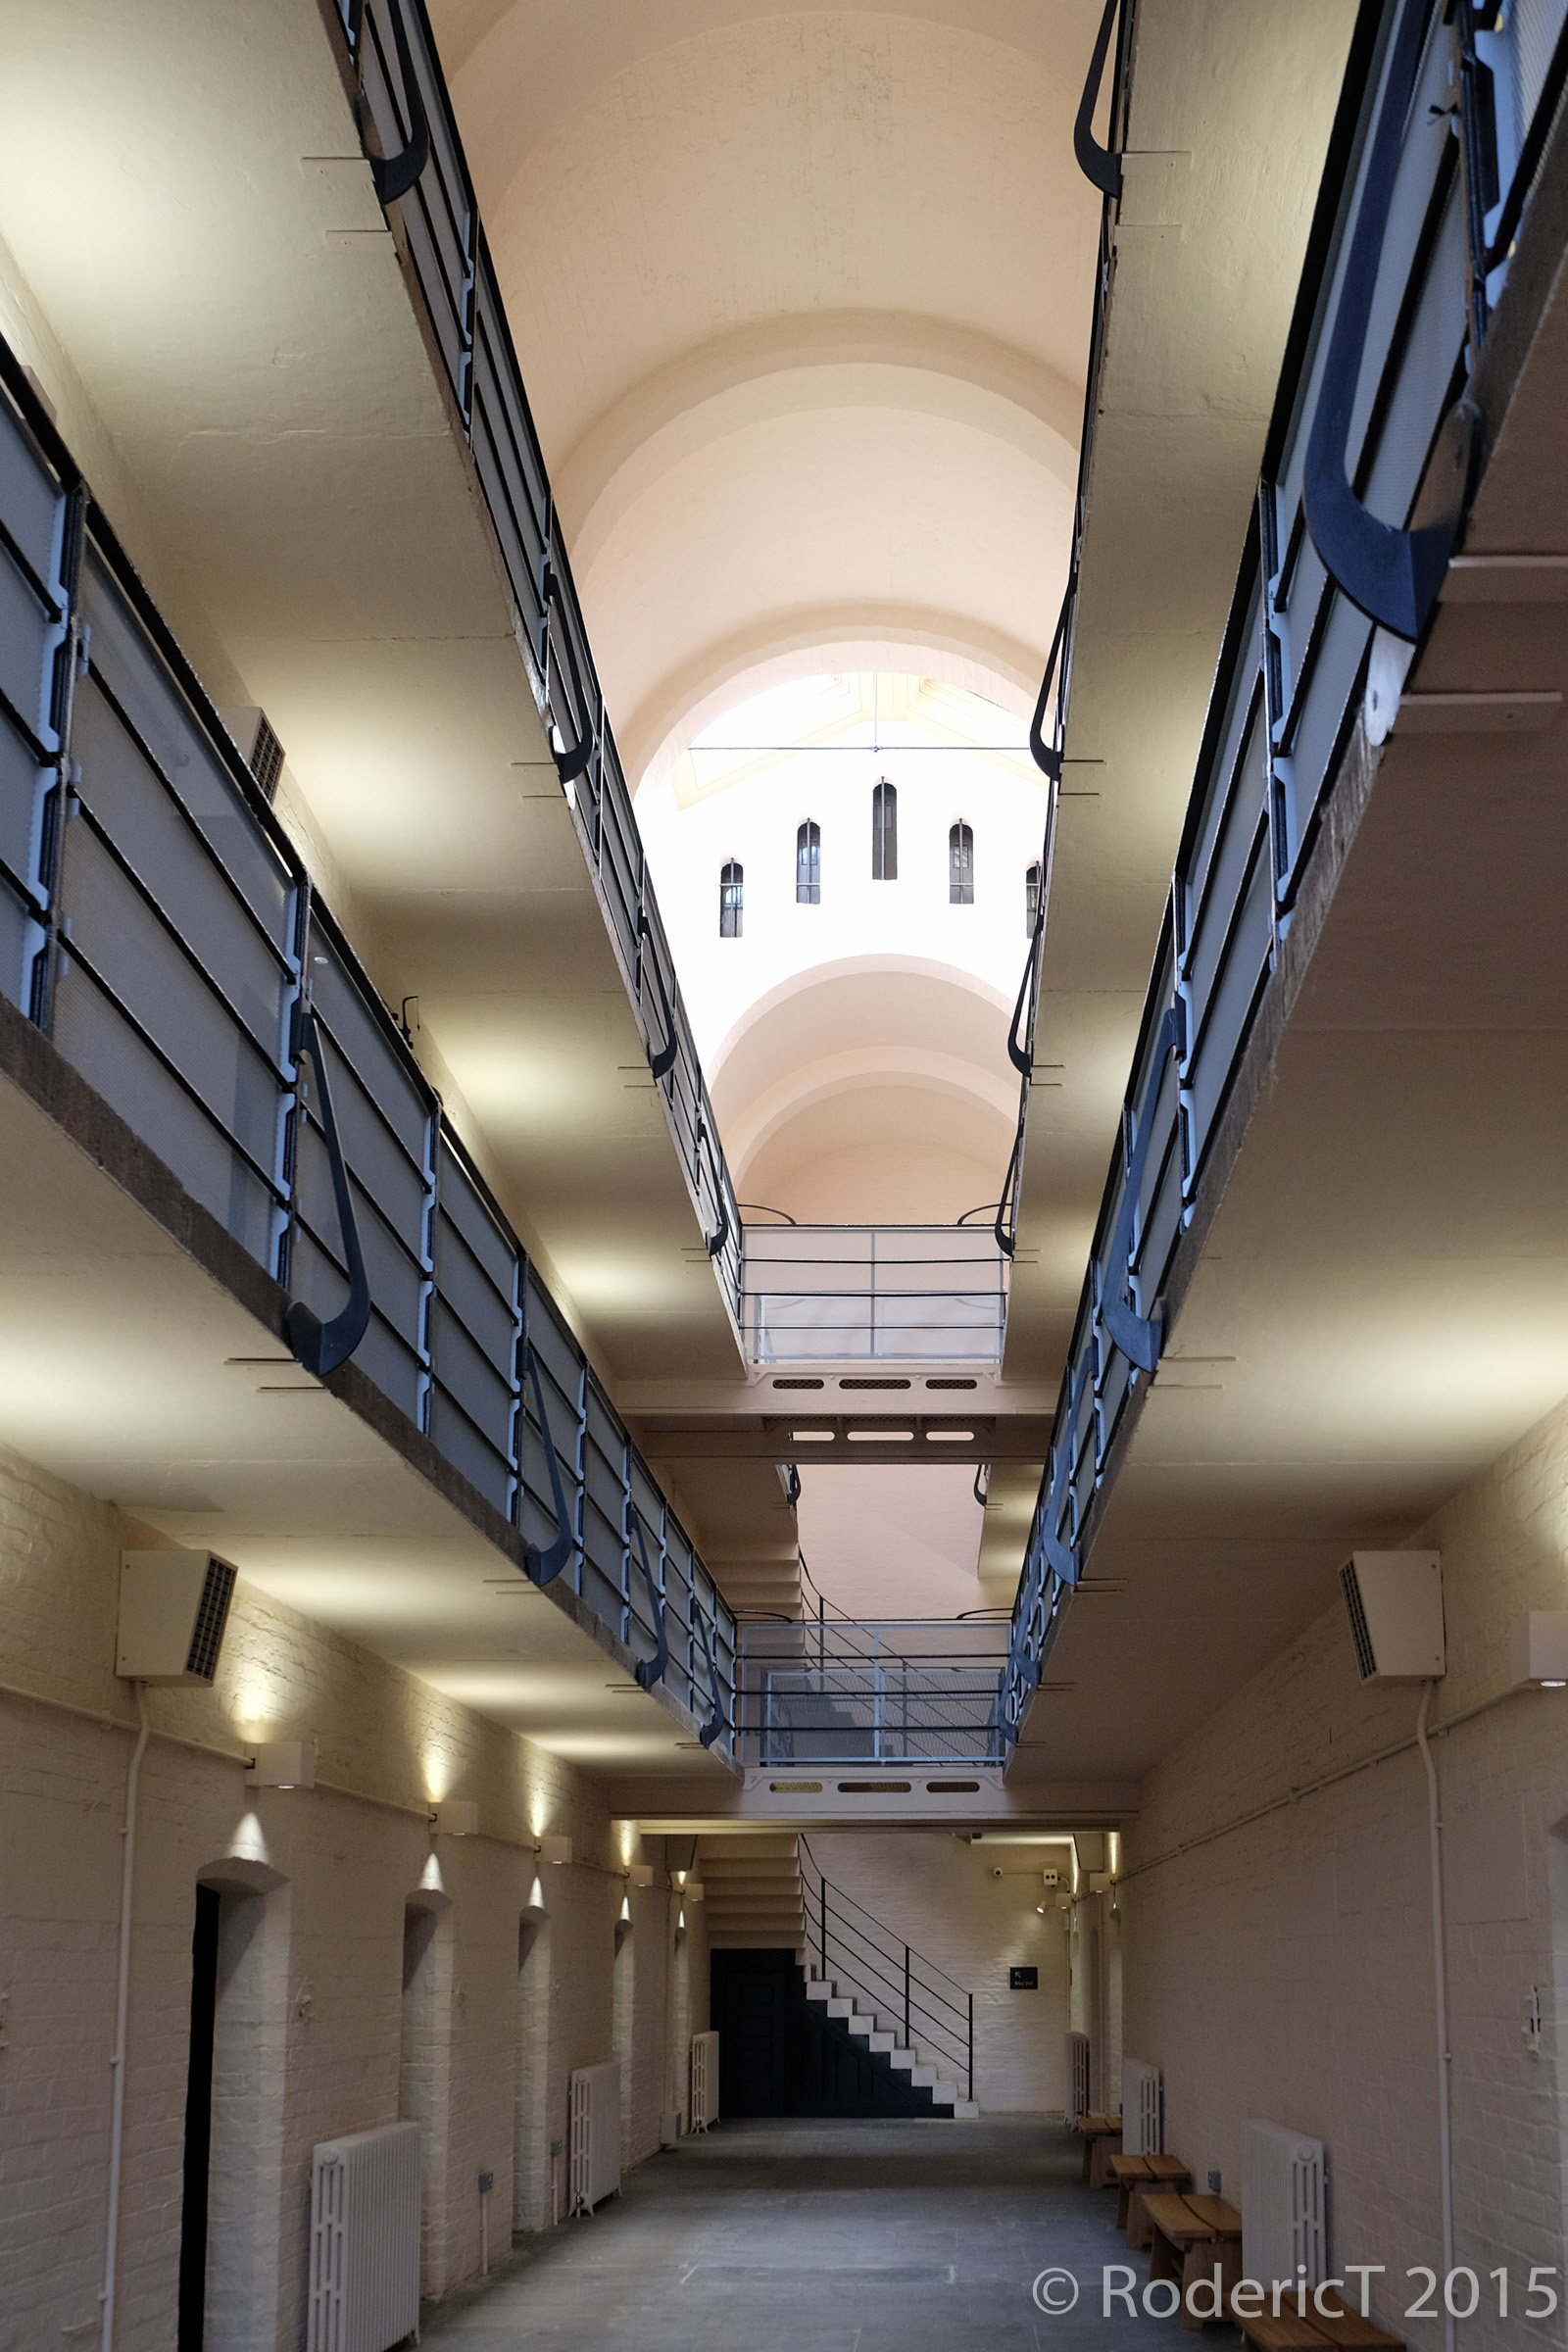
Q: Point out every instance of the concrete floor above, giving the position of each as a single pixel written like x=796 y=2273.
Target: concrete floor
x=826 y=2237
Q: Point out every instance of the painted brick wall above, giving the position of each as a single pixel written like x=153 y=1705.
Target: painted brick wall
x=1285 y=1971
x=316 y=2037
x=939 y=1894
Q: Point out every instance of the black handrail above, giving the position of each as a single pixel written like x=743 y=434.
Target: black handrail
x=650 y=1670
x=1022 y=1057
x=321 y=1346
x=1530 y=155
x=1098 y=165
x=545 y=1565
x=853 y=1949
x=394 y=175
x=664 y=1060
x=716 y=1240
x=1392 y=574
x=1005 y=1239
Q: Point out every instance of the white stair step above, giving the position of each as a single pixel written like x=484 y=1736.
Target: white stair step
x=860 y=2027
x=882 y=2042
x=923 y=2077
x=820 y=1989
x=967 y=2109
x=840 y=2008
x=902 y=2060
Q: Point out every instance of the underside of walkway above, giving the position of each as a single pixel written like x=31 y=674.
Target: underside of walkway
x=859 y=2237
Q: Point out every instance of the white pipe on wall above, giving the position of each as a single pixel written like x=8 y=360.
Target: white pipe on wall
x=1440 y=1976
x=117 y=2124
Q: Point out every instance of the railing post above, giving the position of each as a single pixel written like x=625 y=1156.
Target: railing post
x=970 y=2079
x=907 y=2044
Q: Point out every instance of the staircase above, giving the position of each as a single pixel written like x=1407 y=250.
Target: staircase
x=752 y=1891
x=887 y=2007
x=907 y=2067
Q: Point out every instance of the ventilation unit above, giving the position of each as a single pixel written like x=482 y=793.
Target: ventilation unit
x=705 y=2081
x=595 y=2134
x=1395 y=1599
x=1077 y=2076
x=1142 y=2111
x=365 y=2240
x=173 y=1607
x=257 y=745
x=1282 y=2204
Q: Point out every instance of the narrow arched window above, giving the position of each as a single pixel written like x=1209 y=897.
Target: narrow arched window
x=1031 y=898
x=884 y=832
x=960 y=865
x=809 y=864
x=731 y=899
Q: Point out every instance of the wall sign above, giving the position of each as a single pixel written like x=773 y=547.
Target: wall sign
x=1023 y=1980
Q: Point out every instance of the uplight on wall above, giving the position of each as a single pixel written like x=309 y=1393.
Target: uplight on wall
x=281 y=1764
x=456 y=1817
x=554 y=1850
x=642 y=1873
x=1538 y=1650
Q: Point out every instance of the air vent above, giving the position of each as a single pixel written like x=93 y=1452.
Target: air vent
x=873 y=1384
x=796 y=1383
x=951 y=1384
x=874 y=1787
x=953 y=1788
x=1394 y=1603
x=173 y=1608
x=795 y=1787
x=255 y=744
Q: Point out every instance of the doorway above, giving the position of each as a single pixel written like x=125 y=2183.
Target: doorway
x=193 y=2214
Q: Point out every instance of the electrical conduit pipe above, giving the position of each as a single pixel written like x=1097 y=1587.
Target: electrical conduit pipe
x=117 y=2123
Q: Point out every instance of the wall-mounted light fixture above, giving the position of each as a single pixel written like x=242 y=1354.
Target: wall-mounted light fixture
x=281 y=1764
x=554 y=1850
x=456 y=1817
x=640 y=1874
x=693 y=1889
x=1539 y=1647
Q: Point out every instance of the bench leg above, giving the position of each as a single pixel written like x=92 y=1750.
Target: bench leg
x=1100 y=2175
x=1089 y=2155
x=1139 y=2225
x=1123 y=2198
x=1164 y=2259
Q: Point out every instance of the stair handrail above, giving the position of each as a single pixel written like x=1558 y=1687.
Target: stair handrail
x=880 y=1924
x=951 y=2035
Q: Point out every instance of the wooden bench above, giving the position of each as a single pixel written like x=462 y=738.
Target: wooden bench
x=1101 y=2138
x=1336 y=2323
x=1190 y=2238
x=1133 y=2175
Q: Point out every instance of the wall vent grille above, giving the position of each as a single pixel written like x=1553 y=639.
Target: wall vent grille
x=212 y=1615
x=1350 y=1586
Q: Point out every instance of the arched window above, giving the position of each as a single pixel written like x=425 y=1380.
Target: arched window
x=731 y=899
x=809 y=864
x=1031 y=897
x=884 y=832
x=960 y=865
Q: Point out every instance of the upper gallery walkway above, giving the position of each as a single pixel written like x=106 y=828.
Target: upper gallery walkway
x=1330 y=1276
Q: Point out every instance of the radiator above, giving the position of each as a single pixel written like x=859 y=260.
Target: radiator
x=365 y=2240
x=1282 y=2204
x=595 y=2134
x=1143 y=2109
x=705 y=2081
x=1077 y=2076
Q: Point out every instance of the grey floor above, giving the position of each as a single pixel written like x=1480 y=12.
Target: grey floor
x=826 y=2237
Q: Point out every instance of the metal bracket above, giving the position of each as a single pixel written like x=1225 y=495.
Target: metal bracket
x=1139 y=1337
x=717 y=1722
x=321 y=1346
x=395 y=175
x=661 y=1061
x=650 y=1670
x=1047 y=757
x=1096 y=164
x=543 y=1567
x=1392 y=575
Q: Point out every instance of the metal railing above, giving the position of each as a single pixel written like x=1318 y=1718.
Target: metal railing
x=406 y=112
x=159 y=926
x=929 y=2011
x=842 y=1692
x=1440 y=133
x=1048 y=738
x=872 y=1294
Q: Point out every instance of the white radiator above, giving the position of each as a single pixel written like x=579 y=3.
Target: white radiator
x=1077 y=2076
x=365 y=2240
x=595 y=2134
x=705 y=2081
x=1282 y=2204
x=1143 y=2110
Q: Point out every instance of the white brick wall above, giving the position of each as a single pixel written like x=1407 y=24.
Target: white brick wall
x=1285 y=1970
x=319 y=1991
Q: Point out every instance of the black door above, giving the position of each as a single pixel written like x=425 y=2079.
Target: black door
x=198 y=2119
x=751 y=2013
